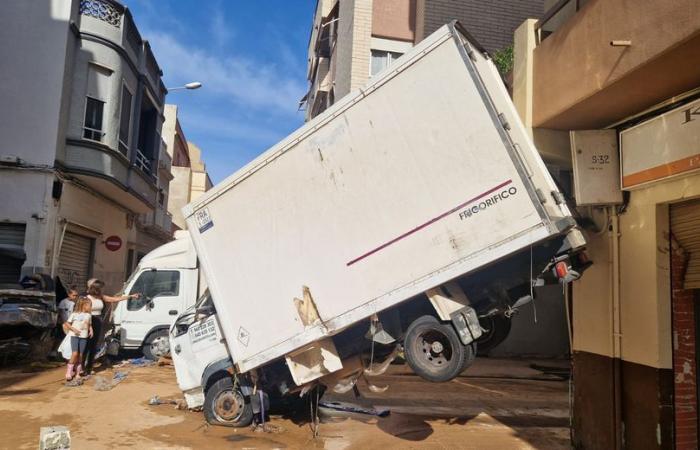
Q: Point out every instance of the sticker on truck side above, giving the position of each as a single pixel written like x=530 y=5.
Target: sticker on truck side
x=203 y=332
x=203 y=220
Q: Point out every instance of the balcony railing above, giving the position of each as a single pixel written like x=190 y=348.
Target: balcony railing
x=142 y=162
x=557 y=15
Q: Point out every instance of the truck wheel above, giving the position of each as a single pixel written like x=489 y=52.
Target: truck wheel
x=496 y=330
x=471 y=350
x=225 y=406
x=434 y=351
x=157 y=345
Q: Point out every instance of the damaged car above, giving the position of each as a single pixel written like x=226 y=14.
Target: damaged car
x=28 y=311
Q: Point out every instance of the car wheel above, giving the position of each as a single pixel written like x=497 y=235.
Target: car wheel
x=226 y=406
x=434 y=351
x=157 y=345
x=496 y=330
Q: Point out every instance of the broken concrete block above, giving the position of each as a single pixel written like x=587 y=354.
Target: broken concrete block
x=54 y=438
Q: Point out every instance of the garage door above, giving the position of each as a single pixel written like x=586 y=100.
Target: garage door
x=75 y=260
x=685 y=226
x=12 y=243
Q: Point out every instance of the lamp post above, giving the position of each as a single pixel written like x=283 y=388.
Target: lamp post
x=191 y=86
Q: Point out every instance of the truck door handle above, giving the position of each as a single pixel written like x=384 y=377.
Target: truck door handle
x=172 y=312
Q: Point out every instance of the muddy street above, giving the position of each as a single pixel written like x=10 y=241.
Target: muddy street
x=495 y=404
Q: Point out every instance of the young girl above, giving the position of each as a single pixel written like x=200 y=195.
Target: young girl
x=79 y=325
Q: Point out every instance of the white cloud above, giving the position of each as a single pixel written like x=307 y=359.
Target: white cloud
x=247 y=82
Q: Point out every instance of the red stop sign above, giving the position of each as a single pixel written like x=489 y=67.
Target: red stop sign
x=113 y=243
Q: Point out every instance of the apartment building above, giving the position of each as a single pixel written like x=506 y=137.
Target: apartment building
x=352 y=40
x=611 y=93
x=190 y=177
x=83 y=170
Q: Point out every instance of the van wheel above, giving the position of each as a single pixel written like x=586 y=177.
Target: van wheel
x=157 y=345
x=496 y=330
x=434 y=351
x=226 y=406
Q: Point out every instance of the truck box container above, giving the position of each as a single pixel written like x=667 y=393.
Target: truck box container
x=423 y=175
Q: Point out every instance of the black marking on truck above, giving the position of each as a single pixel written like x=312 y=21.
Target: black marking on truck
x=488 y=202
x=431 y=221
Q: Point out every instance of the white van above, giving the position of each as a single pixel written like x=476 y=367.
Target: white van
x=169 y=281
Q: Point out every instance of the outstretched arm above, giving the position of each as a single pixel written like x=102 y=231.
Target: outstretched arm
x=118 y=298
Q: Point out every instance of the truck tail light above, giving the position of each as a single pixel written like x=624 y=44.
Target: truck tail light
x=561 y=269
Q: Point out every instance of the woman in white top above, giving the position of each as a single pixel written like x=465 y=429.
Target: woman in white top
x=98 y=299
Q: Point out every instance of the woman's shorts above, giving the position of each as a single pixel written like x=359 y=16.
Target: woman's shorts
x=78 y=344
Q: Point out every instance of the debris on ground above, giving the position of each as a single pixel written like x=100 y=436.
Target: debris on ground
x=165 y=361
x=75 y=382
x=266 y=428
x=103 y=384
x=330 y=407
x=54 y=438
x=136 y=362
x=179 y=403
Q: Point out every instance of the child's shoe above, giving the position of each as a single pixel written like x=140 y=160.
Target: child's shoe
x=69 y=372
x=80 y=371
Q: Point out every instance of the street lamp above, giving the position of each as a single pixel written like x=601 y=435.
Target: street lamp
x=192 y=85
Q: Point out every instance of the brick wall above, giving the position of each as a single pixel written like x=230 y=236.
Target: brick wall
x=491 y=22
x=685 y=399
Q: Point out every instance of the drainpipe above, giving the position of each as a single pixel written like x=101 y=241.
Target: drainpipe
x=616 y=327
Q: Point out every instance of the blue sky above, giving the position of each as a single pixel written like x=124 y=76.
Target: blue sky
x=250 y=57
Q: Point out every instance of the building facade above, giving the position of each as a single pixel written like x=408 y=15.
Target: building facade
x=352 y=40
x=190 y=177
x=622 y=124
x=80 y=163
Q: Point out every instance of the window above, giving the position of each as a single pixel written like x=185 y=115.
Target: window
x=381 y=59
x=125 y=121
x=93 y=119
x=152 y=284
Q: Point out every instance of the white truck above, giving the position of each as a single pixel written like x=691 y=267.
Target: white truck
x=169 y=281
x=403 y=215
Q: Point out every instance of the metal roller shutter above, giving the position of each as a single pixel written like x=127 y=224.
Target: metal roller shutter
x=685 y=226
x=75 y=260
x=11 y=235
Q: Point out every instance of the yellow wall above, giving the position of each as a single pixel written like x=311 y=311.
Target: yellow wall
x=81 y=207
x=645 y=304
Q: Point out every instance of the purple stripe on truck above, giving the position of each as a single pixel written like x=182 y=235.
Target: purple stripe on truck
x=430 y=222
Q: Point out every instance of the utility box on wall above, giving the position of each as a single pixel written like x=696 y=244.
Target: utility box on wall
x=596 y=167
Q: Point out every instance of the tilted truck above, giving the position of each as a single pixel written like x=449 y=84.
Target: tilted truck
x=402 y=215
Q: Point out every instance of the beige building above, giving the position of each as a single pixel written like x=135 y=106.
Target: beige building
x=611 y=93
x=352 y=40
x=81 y=170
x=190 y=177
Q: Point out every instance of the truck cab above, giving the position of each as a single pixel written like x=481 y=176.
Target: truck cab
x=168 y=280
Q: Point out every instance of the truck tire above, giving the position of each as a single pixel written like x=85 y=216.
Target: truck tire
x=496 y=330
x=225 y=406
x=434 y=351
x=157 y=345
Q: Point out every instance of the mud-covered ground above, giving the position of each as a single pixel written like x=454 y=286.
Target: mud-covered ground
x=495 y=404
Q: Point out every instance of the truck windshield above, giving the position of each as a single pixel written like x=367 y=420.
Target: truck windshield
x=129 y=280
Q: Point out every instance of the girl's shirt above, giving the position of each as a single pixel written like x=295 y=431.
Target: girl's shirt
x=97 y=305
x=80 y=321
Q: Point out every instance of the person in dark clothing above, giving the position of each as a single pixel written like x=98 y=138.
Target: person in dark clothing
x=98 y=300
